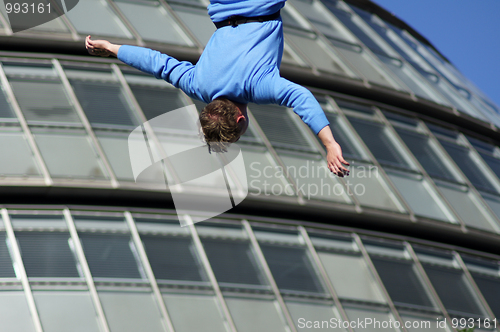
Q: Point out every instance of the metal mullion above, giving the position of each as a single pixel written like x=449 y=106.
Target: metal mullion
x=210 y=273
x=429 y=285
x=85 y=121
x=464 y=178
x=273 y=152
x=21 y=270
x=323 y=273
x=86 y=270
x=183 y=26
x=372 y=268
x=25 y=127
x=269 y=275
x=129 y=26
x=388 y=181
x=469 y=277
x=420 y=169
x=6 y=25
x=151 y=135
x=74 y=33
x=149 y=271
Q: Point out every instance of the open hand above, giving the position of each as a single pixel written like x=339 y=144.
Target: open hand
x=335 y=160
x=98 y=47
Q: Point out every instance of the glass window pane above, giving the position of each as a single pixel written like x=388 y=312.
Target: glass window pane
x=465 y=204
x=115 y=146
x=420 y=197
x=104 y=103
x=155 y=100
x=292 y=268
x=251 y=315
x=462 y=156
x=110 y=255
x=313 y=316
x=453 y=290
x=152 y=21
x=197 y=20
x=263 y=174
x=17 y=156
x=370 y=189
x=350 y=148
x=173 y=257
x=108 y=247
x=131 y=312
x=6 y=111
x=426 y=154
x=43 y=99
x=96 y=17
x=317 y=53
x=380 y=143
x=233 y=261
x=6 y=267
x=184 y=308
x=267 y=117
x=66 y=311
x=47 y=254
x=351 y=277
x=402 y=282
x=313 y=178
x=14 y=312
x=490 y=288
x=69 y=154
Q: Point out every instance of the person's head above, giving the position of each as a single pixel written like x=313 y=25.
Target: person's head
x=223 y=122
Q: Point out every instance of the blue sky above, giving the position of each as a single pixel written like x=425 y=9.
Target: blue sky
x=467 y=32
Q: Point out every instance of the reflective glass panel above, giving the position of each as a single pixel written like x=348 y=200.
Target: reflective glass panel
x=453 y=290
x=6 y=267
x=373 y=321
x=69 y=154
x=96 y=17
x=131 y=312
x=66 y=311
x=402 y=282
x=17 y=158
x=350 y=276
x=292 y=268
x=14 y=312
x=255 y=315
x=182 y=308
x=197 y=20
x=313 y=316
x=152 y=21
x=6 y=111
x=490 y=288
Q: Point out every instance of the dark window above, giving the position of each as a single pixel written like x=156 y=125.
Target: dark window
x=451 y=286
x=172 y=258
x=291 y=268
x=232 y=261
x=401 y=282
x=109 y=255
x=426 y=155
x=490 y=288
x=6 y=267
x=155 y=101
x=47 y=254
x=379 y=142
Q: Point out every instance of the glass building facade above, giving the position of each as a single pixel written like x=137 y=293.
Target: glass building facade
x=409 y=240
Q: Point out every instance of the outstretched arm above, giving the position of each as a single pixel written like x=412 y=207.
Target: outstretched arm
x=274 y=89
x=162 y=66
x=101 y=47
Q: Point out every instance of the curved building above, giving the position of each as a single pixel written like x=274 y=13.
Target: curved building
x=410 y=241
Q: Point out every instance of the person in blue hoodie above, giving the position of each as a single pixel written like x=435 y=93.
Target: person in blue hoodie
x=240 y=64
